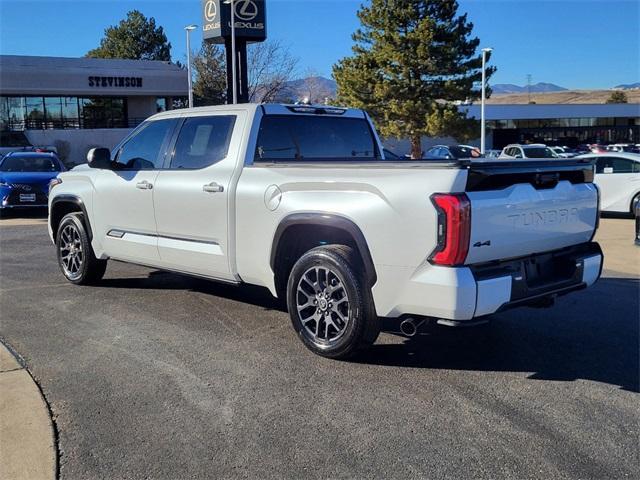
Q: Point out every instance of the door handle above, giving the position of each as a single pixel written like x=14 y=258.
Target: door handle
x=213 y=187
x=144 y=185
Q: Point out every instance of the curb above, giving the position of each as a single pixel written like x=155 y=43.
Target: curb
x=27 y=440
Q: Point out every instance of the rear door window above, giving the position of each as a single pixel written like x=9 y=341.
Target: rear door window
x=292 y=138
x=203 y=141
x=623 y=165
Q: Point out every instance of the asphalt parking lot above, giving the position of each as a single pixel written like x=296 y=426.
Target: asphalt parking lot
x=155 y=375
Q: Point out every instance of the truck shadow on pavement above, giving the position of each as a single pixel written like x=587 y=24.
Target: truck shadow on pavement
x=590 y=335
x=161 y=280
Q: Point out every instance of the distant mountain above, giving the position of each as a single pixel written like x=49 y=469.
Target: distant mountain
x=316 y=89
x=541 y=87
x=507 y=88
x=628 y=86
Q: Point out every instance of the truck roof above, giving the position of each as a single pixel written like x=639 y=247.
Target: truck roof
x=268 y=109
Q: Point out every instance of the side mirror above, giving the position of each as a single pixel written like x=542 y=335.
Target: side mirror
x=607 y=170
x=99 y=158
x=518 y=155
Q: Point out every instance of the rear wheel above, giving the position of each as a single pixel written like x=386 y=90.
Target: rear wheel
x=76 y=259
x=330 y=303
x=634 y=204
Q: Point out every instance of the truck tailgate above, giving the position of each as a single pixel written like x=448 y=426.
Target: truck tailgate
x=551 y=205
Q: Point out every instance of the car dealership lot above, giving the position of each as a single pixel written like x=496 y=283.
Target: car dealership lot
x=155 y=375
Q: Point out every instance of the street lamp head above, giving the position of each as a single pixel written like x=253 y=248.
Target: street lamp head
x=488 y=49
x=190 y=27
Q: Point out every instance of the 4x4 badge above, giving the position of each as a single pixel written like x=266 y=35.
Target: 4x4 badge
x=482 y=244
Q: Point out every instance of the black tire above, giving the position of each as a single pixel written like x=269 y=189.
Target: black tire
x=337 y=271
x=634 y=202
x=86 y=268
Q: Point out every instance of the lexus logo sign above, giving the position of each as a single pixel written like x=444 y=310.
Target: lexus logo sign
x=249 y=19
x=246 y=10
x=210 y=10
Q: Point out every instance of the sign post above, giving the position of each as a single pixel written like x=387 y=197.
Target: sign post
x=250 y=26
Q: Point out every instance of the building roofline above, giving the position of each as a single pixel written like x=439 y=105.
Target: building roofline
x=84 y=62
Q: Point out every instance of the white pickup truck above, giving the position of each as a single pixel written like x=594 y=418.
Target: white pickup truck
x=300 y=199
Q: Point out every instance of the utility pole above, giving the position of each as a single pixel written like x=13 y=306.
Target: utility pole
x=483 y=134
x=529 y=87
x=189 y=29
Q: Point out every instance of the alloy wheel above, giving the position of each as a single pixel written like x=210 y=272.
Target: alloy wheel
x=322 y=304
x=71 y=253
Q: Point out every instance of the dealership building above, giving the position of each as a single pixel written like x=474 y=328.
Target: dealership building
x=560 y=124
x=79 y=103
x=552 y=124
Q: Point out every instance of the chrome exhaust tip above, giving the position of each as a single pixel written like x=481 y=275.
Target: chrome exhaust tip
x=409 y=327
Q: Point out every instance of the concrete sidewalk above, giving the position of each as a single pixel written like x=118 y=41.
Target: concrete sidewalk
x=27 y=449
x=621 y=255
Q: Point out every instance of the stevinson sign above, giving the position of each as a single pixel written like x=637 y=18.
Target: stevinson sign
x=250 y=20
x=117 y=82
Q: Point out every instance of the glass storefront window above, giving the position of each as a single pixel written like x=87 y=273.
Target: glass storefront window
x=4 y=113
x=117 y=112
x=53 y=110
x=18 y=113
x=161 y=104
x=15 y=107
x=70 y=115
x=34 y=112
x=103 y=112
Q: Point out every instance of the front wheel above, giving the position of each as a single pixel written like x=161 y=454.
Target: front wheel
x=330 y=303
x=76 y=259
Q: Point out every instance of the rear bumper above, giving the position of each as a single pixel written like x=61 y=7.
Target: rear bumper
x=466 y=293
x=539 y=277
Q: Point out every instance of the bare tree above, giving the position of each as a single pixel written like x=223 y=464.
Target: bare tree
x=315 y=88
x=270 y=66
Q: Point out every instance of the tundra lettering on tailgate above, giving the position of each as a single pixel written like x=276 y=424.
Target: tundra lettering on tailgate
x=544 y=217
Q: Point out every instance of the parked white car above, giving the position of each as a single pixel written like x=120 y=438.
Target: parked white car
x=562 y=152
x=618 y=177
x=301 y=200
x=622 y=148
x=534 y=150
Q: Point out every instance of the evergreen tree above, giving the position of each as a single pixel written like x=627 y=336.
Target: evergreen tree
x=617 y=96
x=412 y=60
x=210 y=86
x=135 y=38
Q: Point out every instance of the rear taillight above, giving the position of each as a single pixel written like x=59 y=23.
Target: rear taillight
x=454 y=228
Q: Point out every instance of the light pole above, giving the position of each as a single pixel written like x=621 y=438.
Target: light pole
x=189 y=29
x=483 y=133
x=233 y=49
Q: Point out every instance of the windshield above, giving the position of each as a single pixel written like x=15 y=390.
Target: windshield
x=29 y=164
x=540 y=152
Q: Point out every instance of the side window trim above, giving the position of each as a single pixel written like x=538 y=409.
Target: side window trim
x=171 y=147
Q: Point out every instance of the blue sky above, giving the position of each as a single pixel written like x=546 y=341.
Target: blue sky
x=573 y=43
